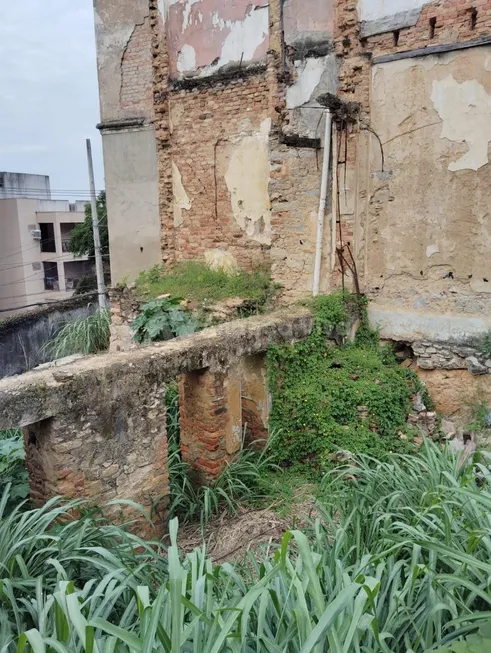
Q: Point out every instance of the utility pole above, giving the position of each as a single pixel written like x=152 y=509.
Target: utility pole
x=101 y=288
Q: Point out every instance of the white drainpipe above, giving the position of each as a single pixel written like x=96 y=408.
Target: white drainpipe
x=322 y=203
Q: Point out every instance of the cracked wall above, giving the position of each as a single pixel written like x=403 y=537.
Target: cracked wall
x=124 y=60
x=429 y=229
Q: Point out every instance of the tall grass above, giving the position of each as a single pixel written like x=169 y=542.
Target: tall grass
x=41 y=548
x=196 y=281
x=84 y=335
x=398 y=563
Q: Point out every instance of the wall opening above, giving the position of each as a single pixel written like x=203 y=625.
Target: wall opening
x=432 y=27
x=396 y=33
x=48 y=243
x=473 y=18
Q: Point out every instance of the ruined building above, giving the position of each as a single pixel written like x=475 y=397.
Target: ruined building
x=213 y=147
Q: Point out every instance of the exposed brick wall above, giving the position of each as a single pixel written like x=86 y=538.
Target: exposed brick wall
x=160 y=56
x=136 y=94
x=211 y=419
x=207 y=119
x=453 y=23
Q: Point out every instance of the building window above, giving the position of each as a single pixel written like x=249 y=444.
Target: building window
x=66 y=229
x=48 y=243
x=51 y=281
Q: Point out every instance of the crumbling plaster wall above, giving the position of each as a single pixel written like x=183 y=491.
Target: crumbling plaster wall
x=124 y=59
x=205 y=35
x=378 y=16
x=429 y=228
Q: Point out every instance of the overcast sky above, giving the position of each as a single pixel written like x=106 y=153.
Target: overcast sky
x=49 y=98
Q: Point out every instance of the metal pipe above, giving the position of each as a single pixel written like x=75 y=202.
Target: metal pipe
x=322 y=203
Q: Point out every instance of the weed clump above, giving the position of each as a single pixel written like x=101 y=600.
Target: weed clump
x=196 y=281
x=327 y=398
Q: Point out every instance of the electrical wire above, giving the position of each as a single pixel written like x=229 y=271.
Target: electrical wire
x=55 y=301
x=52 y=258
x=35 y=274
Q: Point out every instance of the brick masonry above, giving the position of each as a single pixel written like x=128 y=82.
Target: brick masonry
x=211 y=419
x=95 y=428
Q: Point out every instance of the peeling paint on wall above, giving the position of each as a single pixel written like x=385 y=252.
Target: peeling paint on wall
x=465 y=110
x=247 y=179
x=181 y=200
x=186 y=59
x=427 y=225
x=218 y=32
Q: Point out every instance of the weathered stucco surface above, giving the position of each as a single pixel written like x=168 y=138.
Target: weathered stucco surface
x=118 y=23
x=429 y=225
x=246 y=164
x=181 y=199
x=456 y=391
x=205 y=35
x=130 y=161
x=307 y=22
x=379 y=16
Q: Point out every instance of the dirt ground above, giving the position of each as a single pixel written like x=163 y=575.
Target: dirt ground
x=231 y=537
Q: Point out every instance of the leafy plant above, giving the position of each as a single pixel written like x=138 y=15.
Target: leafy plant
x=398 y=562
x=13 y=473
x=84 y=335
x=485 y=347
x=161 y=319
x=329 y=398
x=43 y=547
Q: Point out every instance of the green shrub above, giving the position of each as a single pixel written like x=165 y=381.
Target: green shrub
x=196 y=281
x=161 y=319
x=84 y=335
x=327 y=398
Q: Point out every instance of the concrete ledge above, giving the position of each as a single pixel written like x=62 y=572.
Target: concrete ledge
x=410 y=326
x=390 y=23
x=69 y=390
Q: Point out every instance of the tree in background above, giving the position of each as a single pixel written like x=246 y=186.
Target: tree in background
x=82 y=243
x=82 y=237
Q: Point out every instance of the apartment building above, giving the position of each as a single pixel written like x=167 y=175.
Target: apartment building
x=35 y=263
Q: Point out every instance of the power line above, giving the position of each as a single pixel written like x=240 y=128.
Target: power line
x=35 y=274
x=56 y=301
x=86 y=257
x=47 y=191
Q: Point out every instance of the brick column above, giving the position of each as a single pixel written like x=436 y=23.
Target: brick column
x=211 y=419
x=110 y=443
x=255 y=398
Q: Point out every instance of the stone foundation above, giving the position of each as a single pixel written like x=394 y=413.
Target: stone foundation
x=455 y=392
